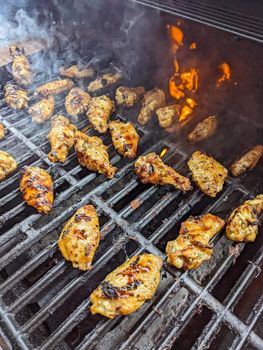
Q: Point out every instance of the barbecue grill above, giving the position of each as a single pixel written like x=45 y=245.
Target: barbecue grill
x=44 y=302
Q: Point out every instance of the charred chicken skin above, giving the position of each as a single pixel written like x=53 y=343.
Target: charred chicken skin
x=54 y=87
x=20 y=66
x=77 y=72
x=153 y=100
x=168 y=115
x=80 y=237
x=191 y=248
x=7 y=165
x=92 y=154
x=207 y=173
x=125 y=138
x=151 y=169
x=77 y=101
x=127 y=96
x=127 y=288
x=42 y=110
x=104 y=81
x=203 y=130
x=15 y=97
x=248 y=161
x=99 y=111
x=61 y=137
x=242 y=224
x=36 y=186
x=2 y=131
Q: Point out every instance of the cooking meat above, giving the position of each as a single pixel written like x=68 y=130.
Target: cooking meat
x=103 y=81
x=151 y=169
x=61 y=137
x=42 y=110
x=191 y=248
x=203 y=130
x=207 y=173
x=36 y=186
x=153 y=100
x=128 y=96
x=242 y=224
x=2 y=131
x=99 y=111
x=20 y=66
x=7 y=165
x=168 y=115
x=92 y=154
x=127 y=288
x=125 y=138
x=54 y=87
x=248 y=161
x=77 y=101
x=15 y=97
x=75 y=71
x=80 y=237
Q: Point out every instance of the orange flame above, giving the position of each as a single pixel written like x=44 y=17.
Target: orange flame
x=174 y=90
x=190 y=79
x=191 y=102
x=193 y=46
x=176 y=34
x=163 y=153
x=176 y=66
x=226 y=73
x=185 y=112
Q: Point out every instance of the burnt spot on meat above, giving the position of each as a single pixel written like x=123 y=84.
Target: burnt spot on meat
x=111 y=292
x=79 y=217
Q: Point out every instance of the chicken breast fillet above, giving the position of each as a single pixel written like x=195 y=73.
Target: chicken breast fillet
x=77 y=101
x=7 y=165
x=153 y=100
x=54 y=87
x=128 y=96
x=77 y=72
x=15 y=97
x=203 y=130
x=61 y=137
x=2 y=131
x=20 y=67
x=248 y=161
x=191 y=248
x=151 y=169
x=168 y=115
x=42 y=110
x=207 y=173
x=125 y=138
x=104 y=81
x=36 y=186
x=127 y=288
x=92 y=154
x=99 y=111
x=242 y=224
x=80 y=237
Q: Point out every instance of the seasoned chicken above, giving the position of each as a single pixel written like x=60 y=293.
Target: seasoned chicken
x=92 y=154
x=248 y=161
x=151 y=169
x=207 y=173
x=203 y=130
x=99 y=111
x=61 y=137
x=76 y=72
x=20 y=66
x=80 y=237
x=42 y=110
x=191 y=248
x=15 y=97
x=77 y=101
x=242 y=224
x=103 y=81
x=127 y=288
x=2 y=131
x=153 y=100
x=168 y=115
x=7 y=165
x=36 y=186
x=125 y=138
x=54 y=87
x=127 y=96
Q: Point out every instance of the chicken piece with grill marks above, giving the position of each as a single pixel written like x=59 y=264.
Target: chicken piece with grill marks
x=128 y=287
x=191 y=248
x=128 y=96
x=203 y=130
x=77 y=101
x=20 y=67
x=15 y=97
x=42 y=110
x=151 y=169
x=152 y=100
x=92 y=153
x=54 y=87
x=2 y=131
x=242 y=224
x=80 y=237
x=36 y=186
x=61 y=137
x=125 y=138
x=168 y=115
x=99 y=111
x=104 y=81
x=77 y=72
x=248 y=161
x=7 y=165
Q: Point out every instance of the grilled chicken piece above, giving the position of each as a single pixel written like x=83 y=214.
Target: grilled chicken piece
x=168 y=115
x=36 y=186
x=15 y=97
x=42 y=110
x=153 y=100
x=77 y=101
x=54 y=87
x=61 y=137
x=203 y=130
x=99 y=111
x=2 y=131
x=80 y=237
x=103 y=81
x=191 y=248
x=76 y=72
x=242 y=224
x=127 y=288
x=207 y=173
x=92 y=154
x=151 y=169
x=125 y=138
x=7 y=165
x=127 y=96
x=248 y=161
x=20 y=66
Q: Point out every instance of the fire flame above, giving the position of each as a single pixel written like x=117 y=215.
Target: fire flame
x=176 y=34
x=193 y=46
x=190 y=79
x=184 y=115
x=174 y=90
x=226 y=73
x=163 y=153
x=191 y=102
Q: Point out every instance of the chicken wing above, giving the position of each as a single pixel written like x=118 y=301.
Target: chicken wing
x=152 y=100
x=191 y=248
x=42 y=110
x=127 y=288
x=7 y=165
x=92 y=154
x=99 y=111
x=125 y=138
x=127 y=96
x=75 y=71
x=77 y=101
x=20 y=67
x=168 y=115
x=103 y=81
x=36 y=186
x=248 y=161
x=2 y=131
x=54 y=87
x=203 y=130
x=242 y=224
x=151 y=169
x=207 y=173
x=15 y=97
x=61 y=137
x=80 y=237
